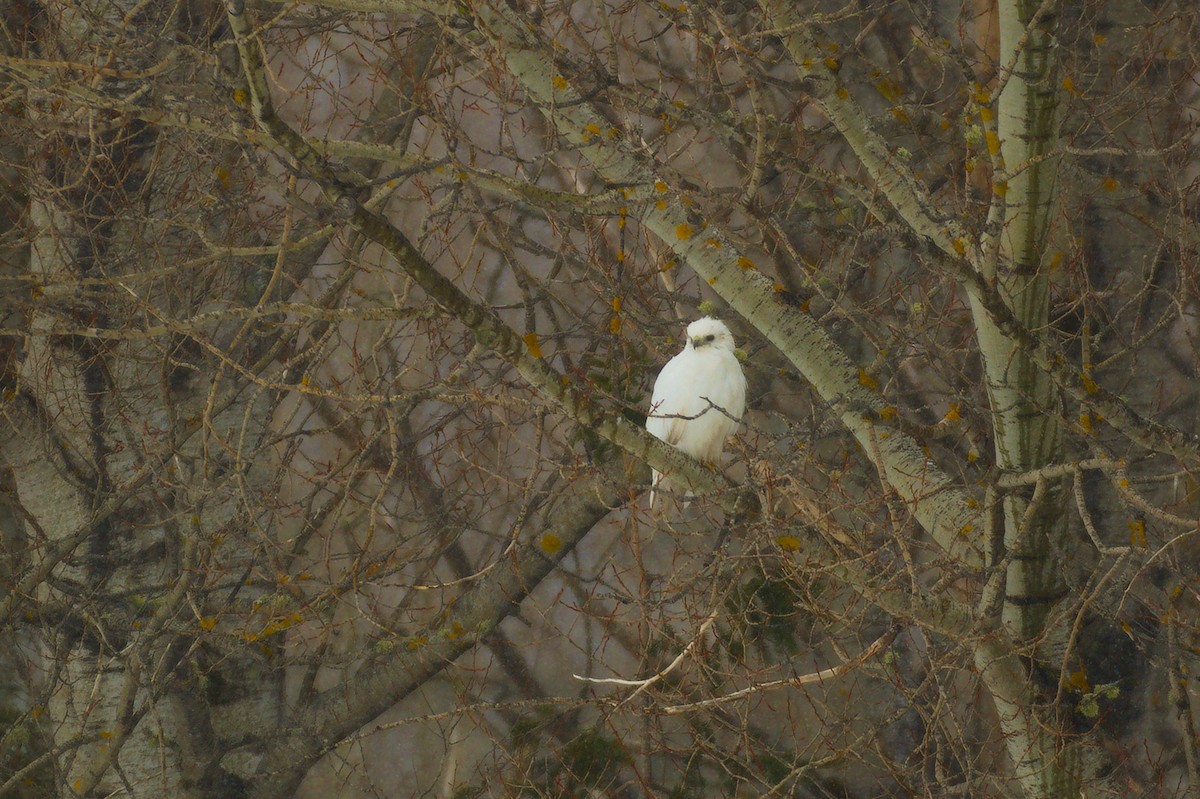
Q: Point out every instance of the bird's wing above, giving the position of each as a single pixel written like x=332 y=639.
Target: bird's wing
x=671 y=398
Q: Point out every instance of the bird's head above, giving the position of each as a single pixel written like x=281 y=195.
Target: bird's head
x=709 y=332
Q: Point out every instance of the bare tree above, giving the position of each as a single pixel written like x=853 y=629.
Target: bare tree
x=329 y=333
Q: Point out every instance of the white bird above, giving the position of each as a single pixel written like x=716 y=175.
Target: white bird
x=700 y=395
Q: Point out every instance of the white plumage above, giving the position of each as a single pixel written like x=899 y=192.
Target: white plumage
x=700 y=395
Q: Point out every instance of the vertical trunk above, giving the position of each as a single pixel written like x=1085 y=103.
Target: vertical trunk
x=101 y=450
x=1024 y=402
x=89 y=176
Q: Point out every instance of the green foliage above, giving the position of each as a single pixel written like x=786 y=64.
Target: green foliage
x=764 y=611
x=692 y=785
x=1089 y=704
x=587 y=761
x=530 y=728
x=23 y=742
x=619 y=376
x=591 y=757
x=776 y=767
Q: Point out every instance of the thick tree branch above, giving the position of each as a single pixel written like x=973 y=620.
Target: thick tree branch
x=933 y=499
x=338 y=712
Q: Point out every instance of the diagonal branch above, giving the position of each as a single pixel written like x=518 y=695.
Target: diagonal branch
x=489 y=330
x=339 y=711
x=892 y=177
x=937 y=503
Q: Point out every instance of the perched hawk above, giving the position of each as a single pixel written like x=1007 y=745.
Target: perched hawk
x=699 y=395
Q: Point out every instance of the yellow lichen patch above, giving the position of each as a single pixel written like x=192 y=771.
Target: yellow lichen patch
x=240 y=97
x=832 y=64
x=865 y=379
x=712 y=242
x=560 y=82
x=972 y=455
x=1085 y=422
x=660 y=204
x=1000 y=188
x=788 y=543
x=887 y=413
x=890 y=90
x=550 y=543
x=592 y=128
x=842 y=93
x=1069 y=85
x=617 y=302
x=614 y=324
x=1089 y=385
x=960 y=246
x=1099 y=38
x=208 y=622
x=531 y=341
x=952 y=415
x=416 y=642
x=778 y=288
x=712 y=281
x=744 y=263
x=683 y=232
x=1137 y=532
x=455 y=632
x=901 y=115
x=659 y=186
x=1110 y=184
x=966 y=530
x=993 y=142
x=985 y=114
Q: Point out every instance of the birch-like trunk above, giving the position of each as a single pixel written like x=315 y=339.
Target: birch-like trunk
x=1025 y=407
x=102 y=439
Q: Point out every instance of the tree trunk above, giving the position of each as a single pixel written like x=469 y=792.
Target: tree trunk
x=1020 y=130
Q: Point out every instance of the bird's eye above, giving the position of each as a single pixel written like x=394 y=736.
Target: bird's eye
x=709 y=337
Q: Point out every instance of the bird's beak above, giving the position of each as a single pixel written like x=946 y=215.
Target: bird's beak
x=698 y=342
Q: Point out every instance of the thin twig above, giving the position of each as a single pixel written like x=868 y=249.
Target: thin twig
x=791 y=682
